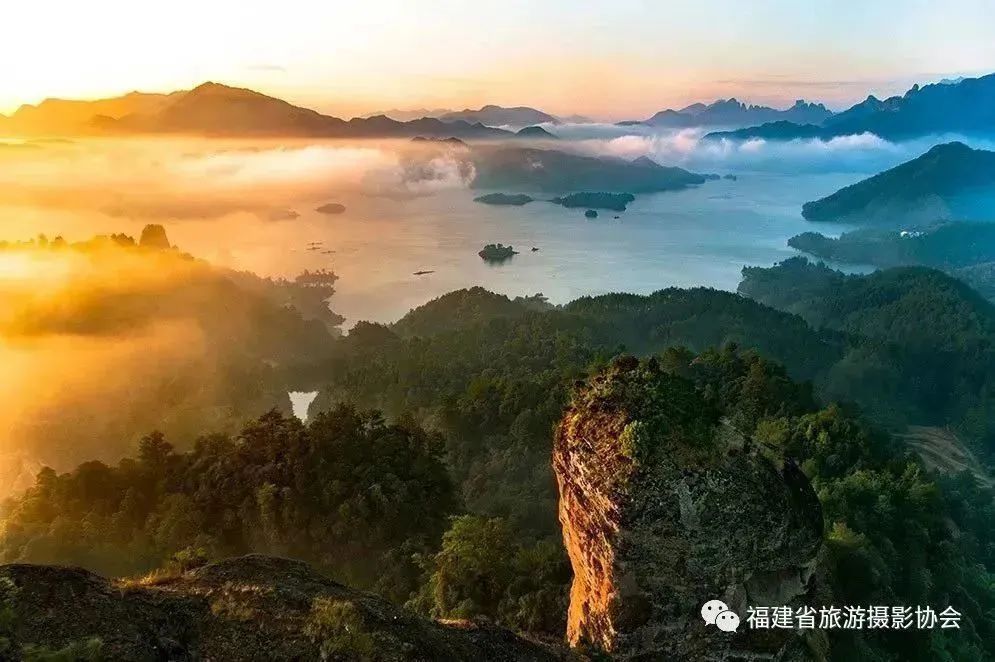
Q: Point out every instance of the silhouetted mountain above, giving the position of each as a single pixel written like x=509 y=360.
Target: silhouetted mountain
x=576 y=119
x=213 y=109
x=965 y=107
x=75 y=116
x=949 y=181
x=536 y=132
x=413 y=114
x=734 y=113
x=499 y=116
x=782 y=130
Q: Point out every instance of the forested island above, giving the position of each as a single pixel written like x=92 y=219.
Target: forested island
x=507 y=199
x=612 y=201
x=497 y=253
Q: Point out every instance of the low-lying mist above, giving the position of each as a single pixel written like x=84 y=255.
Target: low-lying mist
x=688 y=148
x=177 y=179
x=106 y=341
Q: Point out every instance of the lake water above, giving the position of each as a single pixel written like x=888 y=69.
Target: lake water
x=702 y=236
x=208 y=195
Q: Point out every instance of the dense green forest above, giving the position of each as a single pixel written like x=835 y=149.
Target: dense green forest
x=920 y=345
x=944 y=246
x=962 y=249
x=455 y=497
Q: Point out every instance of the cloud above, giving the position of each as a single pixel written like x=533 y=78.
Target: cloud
x=201 y=179
x=864 y=153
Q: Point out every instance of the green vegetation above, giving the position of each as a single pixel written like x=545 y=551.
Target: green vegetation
x=483 y=570
x=338 y=625
x=78 y=651
x=348 y=492
x=949 y=181
x=612 y=201
x=946 y=246
x=964 y=250
x=920 y=345
x=451 y=509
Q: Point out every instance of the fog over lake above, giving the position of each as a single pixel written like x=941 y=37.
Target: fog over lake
x=252 y=206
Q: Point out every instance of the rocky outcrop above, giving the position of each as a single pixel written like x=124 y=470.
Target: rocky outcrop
x=154 y=236
x=249 y=608
x=663 y=508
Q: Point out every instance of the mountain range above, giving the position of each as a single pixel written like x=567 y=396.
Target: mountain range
x=402 y=115
x=491 y=115
x=213 y=109
x=734 y=113
x=964 y=106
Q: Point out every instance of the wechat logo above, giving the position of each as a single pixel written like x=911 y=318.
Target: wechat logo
x=717 y=613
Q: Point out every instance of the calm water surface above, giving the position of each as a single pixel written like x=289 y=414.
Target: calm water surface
x=703 y=236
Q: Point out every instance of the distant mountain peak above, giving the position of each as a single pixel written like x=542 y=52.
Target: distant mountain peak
x=732 y=112
x=493 y=115
x=645 y=161
x=950 y=181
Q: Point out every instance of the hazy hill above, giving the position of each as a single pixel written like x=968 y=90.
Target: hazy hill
x=536 y=132
x=76 y=116
x=528 y=169
x=492 y=115
x=732 y=112
x=214 y=109
x=402 y=115
x=966 y=106
x=949 y=181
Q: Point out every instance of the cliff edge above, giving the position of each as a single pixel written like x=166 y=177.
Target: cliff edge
x=249 y=608
x=664 y=507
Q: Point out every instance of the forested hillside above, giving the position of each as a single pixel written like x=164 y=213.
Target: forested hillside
x=457 y=500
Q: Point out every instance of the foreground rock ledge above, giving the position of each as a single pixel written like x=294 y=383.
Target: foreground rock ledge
x=663 y=508
x=249 y=608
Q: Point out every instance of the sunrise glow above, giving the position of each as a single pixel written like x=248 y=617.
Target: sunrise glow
x=353 y=58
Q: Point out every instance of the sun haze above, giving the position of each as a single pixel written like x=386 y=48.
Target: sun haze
x=615 y=60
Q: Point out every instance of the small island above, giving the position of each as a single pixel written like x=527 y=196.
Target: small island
x=590 y=213
x=331 y=208
x=497 y=253
x=514 y=200
x=612 y=201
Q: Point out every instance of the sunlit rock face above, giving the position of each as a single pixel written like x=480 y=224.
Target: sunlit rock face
x=663 y=508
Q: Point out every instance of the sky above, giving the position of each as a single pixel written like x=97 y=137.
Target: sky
x=618 y=59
